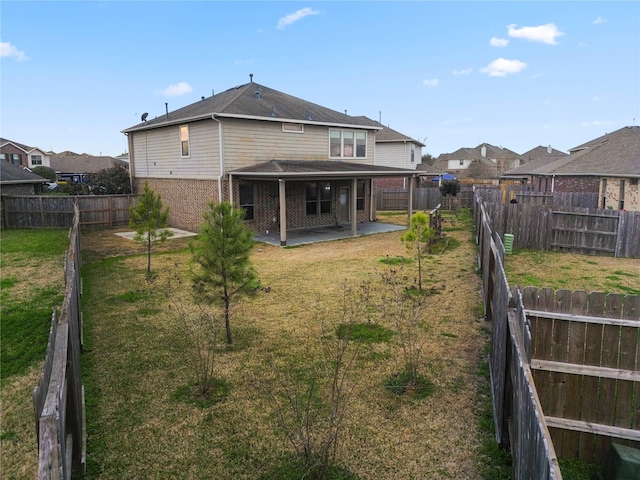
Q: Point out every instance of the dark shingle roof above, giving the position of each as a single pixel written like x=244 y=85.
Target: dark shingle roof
x=15 y=174
x=617 y=153
x=257 y=102
x=71 y=162
x=318 y=168
x=492 y=151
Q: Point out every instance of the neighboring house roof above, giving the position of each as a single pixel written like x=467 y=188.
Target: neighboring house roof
x=21 y=146
x=492 y=151
x=13 y=174
x=256 y=102
x=543 y=153
x=71 y=162
x=613 y=154
x=293 y=169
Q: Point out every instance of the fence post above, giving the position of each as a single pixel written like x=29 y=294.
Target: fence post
x=620 y=234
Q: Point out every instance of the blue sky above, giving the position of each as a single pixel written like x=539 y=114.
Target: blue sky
x=450 y=74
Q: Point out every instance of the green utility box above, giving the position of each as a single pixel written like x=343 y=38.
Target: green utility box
x=508 y=243
x=622 y=463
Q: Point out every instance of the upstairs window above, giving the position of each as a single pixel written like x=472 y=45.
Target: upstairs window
x=347 y=144
x=36 y=159
x=3 y=156
x=246 y=200
x=16 y=158
x=413 y=153
x=184 y=140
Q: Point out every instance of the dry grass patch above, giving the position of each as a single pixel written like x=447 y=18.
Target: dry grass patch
x=136 y=363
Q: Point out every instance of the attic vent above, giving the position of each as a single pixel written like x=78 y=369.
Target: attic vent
x=309 y=117
x=273 y=112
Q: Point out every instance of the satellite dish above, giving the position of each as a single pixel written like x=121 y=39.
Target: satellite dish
x=144 y=116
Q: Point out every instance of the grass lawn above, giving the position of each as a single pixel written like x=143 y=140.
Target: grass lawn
x=31 y=283
x=136 y=366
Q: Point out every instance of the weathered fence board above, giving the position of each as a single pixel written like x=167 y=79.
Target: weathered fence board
x=423 y=199
x=51 y=211
x=597 y=363
x=59 y=396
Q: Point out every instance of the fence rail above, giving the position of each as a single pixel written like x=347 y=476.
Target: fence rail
x=32 y=211
x=58 y=398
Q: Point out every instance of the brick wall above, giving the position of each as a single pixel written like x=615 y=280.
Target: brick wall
x=10 y=149
x=188 y=200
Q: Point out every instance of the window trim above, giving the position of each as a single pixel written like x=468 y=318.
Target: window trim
x=353 y=144
x=247 y=207
x=361 y=200
x=34 y=158
x=16 y=156
x=182 y=142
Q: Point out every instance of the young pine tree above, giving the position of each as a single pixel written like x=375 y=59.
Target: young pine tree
x=223 y=252
x=418 y=239
x=148 y=218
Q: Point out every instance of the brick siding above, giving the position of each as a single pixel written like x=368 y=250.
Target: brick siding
x=188 y=200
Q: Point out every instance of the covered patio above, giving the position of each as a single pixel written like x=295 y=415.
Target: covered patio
x=351 y=215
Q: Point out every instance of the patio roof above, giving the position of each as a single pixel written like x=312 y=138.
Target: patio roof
x=305 y=169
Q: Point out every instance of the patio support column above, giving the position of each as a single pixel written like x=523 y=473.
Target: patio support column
x=410 y=206
x=283 y=213
x=231 y=189
x=354 y=207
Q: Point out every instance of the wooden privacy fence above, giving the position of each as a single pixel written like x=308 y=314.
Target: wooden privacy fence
x=572 y=229
x=32 y=211
x=423 y=199
x=585 y=356
x=58 y=398
x=519 y=423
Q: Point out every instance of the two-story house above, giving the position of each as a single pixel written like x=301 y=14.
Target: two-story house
x=74 y=167
x=22 y=155
x=288 y=162
x=482 y=162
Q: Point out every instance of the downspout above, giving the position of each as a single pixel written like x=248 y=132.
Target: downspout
x=553 y=180
x=213 y=117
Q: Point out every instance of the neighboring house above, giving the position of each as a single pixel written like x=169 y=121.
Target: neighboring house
x=18 y=180
x=22 y=155
x=288 y=162
x=608 y=165
x=77 y=167
x=482 y=162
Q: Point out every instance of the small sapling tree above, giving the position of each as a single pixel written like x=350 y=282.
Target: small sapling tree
x=418 y=240
x=223 y=253
x=149 y=218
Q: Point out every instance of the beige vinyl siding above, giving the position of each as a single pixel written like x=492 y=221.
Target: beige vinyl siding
x=396 y=154
x=158 y=155
x=248 y=142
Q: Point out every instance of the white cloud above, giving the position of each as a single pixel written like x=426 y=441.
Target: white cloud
x=502 y=67
x=177 y=89
x=599 y=20
x=542 y=33
x=498 y=42
x=595 y=123
x=294 y=17
x=465 y=71
x=431 y=82
x=8 y=50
